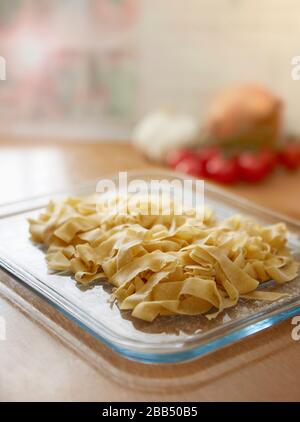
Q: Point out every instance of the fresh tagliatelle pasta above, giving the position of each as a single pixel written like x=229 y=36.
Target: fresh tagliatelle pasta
x=165 y=264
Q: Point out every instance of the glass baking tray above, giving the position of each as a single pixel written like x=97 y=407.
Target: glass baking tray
x=167 y=339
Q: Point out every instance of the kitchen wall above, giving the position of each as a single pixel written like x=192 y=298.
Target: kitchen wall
x=91 y=68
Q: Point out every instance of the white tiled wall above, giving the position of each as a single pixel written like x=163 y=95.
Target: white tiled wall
x=134 y=56
x=191 y=48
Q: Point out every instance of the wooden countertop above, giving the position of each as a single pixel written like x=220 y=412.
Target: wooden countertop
x=37 y=365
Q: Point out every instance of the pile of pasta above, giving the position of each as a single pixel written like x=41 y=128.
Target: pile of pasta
x=165 y=264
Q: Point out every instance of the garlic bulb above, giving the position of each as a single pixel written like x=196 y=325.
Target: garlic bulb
x=161 y=131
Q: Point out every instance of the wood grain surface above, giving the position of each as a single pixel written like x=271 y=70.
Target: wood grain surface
x=46 y=357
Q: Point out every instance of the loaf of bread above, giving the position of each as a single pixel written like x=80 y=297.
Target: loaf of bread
x=247 y=115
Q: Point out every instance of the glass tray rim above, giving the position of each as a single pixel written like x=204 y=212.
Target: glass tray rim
x=171 y=352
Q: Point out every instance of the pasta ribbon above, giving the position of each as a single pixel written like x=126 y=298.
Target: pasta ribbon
x=165 y=264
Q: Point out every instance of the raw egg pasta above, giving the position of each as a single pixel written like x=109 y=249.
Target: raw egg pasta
x=165 y=264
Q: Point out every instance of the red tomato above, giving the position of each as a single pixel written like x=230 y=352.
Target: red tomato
x=269 y=157
x=207 y=153
x=191 y=166
x=254 y=167
x=222 y=170
x=176 y=156
x=290 y=156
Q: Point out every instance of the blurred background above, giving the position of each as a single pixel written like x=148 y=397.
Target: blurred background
x=89 y=69
x=210 y=88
